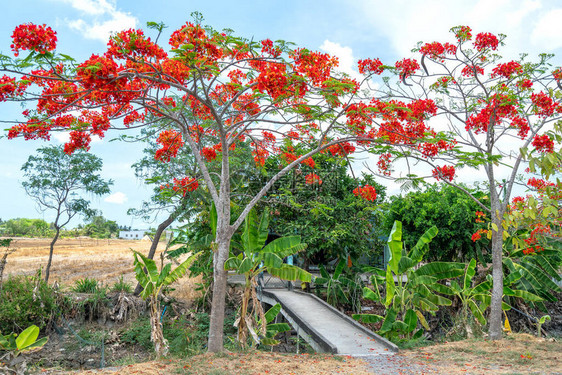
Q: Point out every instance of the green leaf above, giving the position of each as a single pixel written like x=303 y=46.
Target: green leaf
x=395 y=246
x=370 y=295
x=180 y=270
x=272 y=260
x=367 y=318
x=422 y=320
x=411 y=320
x=390 y=287
x=27 y=337
x=421 y=248
x=443 y=289
x=285 y=246
x=272 y=312
x=441 y=270
x=389 y=320
x=291 y=273
x=476 y=312
x=245 y=267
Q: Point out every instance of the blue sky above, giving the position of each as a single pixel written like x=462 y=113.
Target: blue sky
x=349 y=29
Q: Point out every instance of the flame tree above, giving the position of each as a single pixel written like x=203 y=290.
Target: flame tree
x=501 y=117
x=209 y=91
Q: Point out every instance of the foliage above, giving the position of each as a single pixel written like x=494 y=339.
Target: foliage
x=446 y=207
x=27 y=301
x=152 y=283
x=409 y=290
x=86 y=285
x=25 y=228
x=334 y=220
x=257 y=256
x=99 y=227
x=121 y=286
x=342 y=288
x=14 y=345
x=54 y=179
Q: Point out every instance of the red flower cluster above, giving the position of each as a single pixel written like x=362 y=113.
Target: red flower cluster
x=374 y=66
x=171 y=142
x=478 y=235
x=267 y=47
x=384 y=163
x=543 y=143
x=314 y=65
x=486 y=40
x=312 y=179
x=446 y=172
x=557 y=74
x=522 y=124
x=480 y=216
x=366 y=192
x=38 y=38
x=309 y=162
x=538 y=183
x=407 y=67
x=9 y=87
x=342 y=149
x=443 y=82
x=463 y=33
x=132 y=44
x=209 y=153
x=507 y=69
x=525 y=84
x=543 y=104
x=436 y=50
x=78 y=141
x=469 y=71
x=186 y=184
x=498 y=108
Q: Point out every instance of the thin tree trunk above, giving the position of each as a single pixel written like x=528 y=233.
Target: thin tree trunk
x=216 y=325
x=52 y=248
x=161 y=228
x=156 y=332
x=495 y=329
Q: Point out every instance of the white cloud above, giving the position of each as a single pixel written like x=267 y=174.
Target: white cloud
x=117 y=198
x=532 y=26
x=347 y=62
x=548 y=31
x=101 y=18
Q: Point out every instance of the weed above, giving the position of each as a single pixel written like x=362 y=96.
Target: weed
x=86 y=285
x=121 y=286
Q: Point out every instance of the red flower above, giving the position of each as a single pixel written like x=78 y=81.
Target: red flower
x=507 y=69
x=370 y=66
x=407 y=67
x=186 y=184
x=309 y=162
x=366 y=192
x=171 y=142
x=463 y=33
x=209 y=153
x=446 y=171
x=312 y=179
x=486 y=40
x=469 y=71
x=543 y=104
x=543 y=144
x=38 y=38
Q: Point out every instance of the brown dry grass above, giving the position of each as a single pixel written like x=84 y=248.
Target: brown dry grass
x=518 y=353
x=106 y=260
x=255 y=363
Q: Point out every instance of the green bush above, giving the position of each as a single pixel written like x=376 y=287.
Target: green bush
x=121 y=286
x=26 y=301
x=86 y=285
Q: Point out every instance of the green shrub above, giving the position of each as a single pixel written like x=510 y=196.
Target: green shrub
x=121 y=286
x=27 y=301
x=86 y=285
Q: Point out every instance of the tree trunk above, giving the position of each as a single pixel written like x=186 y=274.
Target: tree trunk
x=495 y=329
x=156 y=333
x=52 y=248
x=161 y=228
x=216 y=325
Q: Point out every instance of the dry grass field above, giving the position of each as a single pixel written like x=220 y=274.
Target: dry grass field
x=106 y=260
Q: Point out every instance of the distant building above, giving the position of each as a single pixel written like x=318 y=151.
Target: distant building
x=131 y=234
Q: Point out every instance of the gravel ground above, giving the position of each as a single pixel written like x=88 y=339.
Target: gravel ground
x=396 y=364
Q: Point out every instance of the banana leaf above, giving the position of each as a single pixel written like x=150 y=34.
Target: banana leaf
x=395 y=246
x=422 y=246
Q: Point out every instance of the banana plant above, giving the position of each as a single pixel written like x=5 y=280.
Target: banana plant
x=410 y=291
x=152 y=282
x=272 y=329
x=14 y=345
x=340 y=289
x=257 y=257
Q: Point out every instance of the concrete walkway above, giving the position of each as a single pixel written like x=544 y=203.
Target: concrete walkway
x=325 y=328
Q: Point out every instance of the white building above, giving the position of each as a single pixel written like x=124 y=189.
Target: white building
x=131 y=234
